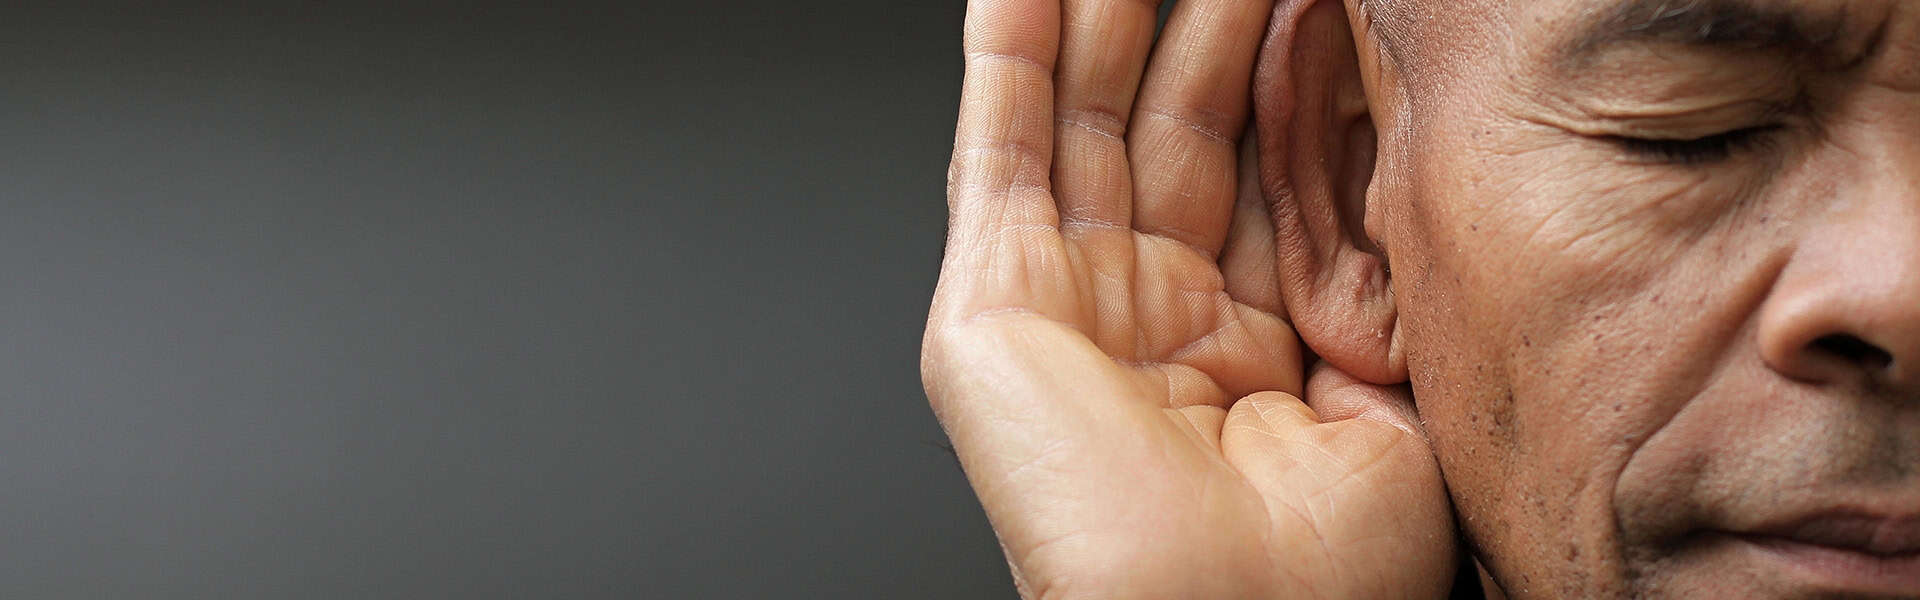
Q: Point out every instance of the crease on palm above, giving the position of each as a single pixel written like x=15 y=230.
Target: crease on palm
x=1167 y=315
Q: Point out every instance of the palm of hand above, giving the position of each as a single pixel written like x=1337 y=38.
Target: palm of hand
x=1108 y=351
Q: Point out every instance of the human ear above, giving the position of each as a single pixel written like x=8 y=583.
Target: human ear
x=1317 y=148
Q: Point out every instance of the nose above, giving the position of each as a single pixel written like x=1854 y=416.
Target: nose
x=1847 y=305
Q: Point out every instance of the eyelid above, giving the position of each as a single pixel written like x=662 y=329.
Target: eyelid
x=1698 y=150
x=1760 y=129
x=1725 y=94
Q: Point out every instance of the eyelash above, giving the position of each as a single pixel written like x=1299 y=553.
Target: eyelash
x=1704 y=150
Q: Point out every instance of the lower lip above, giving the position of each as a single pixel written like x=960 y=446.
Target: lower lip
x=1845 y=569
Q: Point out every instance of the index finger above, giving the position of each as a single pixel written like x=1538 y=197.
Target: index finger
x=1003 y=147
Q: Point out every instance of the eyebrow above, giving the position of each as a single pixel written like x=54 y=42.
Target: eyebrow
x=1718 y=24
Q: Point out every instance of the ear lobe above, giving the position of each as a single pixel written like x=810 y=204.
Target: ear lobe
x=1316 y=143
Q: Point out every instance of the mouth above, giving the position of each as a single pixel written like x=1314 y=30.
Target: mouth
x=1865 y=534
x=1845 y=551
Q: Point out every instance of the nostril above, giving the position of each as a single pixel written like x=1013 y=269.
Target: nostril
x=1854 y=350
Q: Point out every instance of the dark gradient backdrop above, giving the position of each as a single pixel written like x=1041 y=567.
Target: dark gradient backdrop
x=476 y=300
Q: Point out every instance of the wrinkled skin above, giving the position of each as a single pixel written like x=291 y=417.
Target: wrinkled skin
x=1635 y=369
x=1659 y=305
x=1107 y=349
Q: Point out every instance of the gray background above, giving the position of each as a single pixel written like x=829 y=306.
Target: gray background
x=470 y=300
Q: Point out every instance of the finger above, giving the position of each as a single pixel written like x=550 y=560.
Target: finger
x=1337 y=396
x=1003 y=147
x=1241 y=342
x=1261 y=420
x=1344 y=493
x=1247 y=261
x=1262 y=432
x=1103 y=51
x=1191 y=111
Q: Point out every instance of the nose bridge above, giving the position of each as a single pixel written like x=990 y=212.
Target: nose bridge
x=1882 y=215
x=1893 y=154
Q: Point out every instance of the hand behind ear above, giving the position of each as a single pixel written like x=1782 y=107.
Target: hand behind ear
x=1108 y=349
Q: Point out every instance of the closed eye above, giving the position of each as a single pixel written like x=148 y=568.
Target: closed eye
x=1703 y=150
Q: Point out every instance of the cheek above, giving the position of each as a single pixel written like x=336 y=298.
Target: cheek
x=1554 y=321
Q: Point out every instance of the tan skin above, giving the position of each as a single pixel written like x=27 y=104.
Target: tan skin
x=1670 y=369
x=1659 y=302
x=1116 y=373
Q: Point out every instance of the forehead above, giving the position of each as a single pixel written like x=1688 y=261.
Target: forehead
x=1830 y=29
x=1554 y=29
x=1532 y=44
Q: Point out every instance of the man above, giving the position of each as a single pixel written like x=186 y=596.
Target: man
x=1609 y=297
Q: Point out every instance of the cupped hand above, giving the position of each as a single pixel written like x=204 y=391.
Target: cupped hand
x=1107 y=348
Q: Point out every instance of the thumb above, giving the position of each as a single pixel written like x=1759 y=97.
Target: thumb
x=1352 y=492
x=1337 y=396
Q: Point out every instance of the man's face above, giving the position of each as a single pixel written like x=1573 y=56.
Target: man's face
x=1658 y=270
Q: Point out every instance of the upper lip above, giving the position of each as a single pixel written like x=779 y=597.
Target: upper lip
x=1857 y=531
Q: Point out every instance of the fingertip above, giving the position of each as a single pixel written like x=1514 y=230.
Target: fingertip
x=1270 y=411
x=1335 y=395
x=1028 y=29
